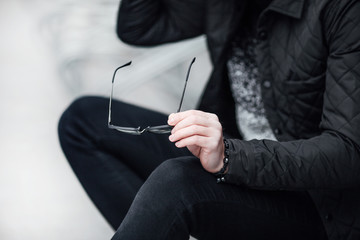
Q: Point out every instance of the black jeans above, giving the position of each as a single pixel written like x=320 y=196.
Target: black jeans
x=170 y=194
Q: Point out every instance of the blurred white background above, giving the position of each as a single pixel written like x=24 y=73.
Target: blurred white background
x=50 y=53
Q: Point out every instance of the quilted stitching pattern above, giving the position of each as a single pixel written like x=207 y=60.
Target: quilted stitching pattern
x=315 y=87
x=298 y=84
x=314 y=94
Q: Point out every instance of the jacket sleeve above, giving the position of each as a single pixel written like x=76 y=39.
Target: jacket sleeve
x=332 y=159
x=152 y=22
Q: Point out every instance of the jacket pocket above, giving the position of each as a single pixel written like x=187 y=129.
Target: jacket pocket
x=313 y=85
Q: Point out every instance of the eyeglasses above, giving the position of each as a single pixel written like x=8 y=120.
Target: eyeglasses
x=162 y=129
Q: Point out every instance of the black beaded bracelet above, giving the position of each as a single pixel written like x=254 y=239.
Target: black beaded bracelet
x=220 y=175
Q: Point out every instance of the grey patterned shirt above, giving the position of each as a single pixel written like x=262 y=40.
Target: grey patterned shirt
x=243 y=76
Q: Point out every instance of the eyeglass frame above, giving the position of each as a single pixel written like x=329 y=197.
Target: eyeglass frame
x=161 y=129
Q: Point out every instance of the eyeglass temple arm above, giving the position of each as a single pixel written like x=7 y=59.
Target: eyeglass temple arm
x=128 y=64
x=186 y=80
x=125 y=65
x=112 y=89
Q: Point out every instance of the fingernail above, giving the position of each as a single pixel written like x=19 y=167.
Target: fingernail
x=171 y=118
x=171 y=137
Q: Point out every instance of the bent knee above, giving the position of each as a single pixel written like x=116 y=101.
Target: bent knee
x=80 y=108
x=78 y=119
x=177 y=173
x=174 y=181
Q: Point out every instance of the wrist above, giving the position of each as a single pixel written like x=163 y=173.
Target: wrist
x=220 y=175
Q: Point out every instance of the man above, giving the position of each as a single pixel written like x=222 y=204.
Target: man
x=292 y=173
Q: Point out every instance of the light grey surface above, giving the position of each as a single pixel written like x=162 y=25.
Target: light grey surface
x=40 y=196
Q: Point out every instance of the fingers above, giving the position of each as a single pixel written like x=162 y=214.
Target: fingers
x=174 y=118
x=192 y=130
x=195 y=128
x=201 y=133
x=193 y=117
x=195 y=140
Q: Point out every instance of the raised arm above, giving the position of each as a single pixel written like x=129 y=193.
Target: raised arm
x=153 y=22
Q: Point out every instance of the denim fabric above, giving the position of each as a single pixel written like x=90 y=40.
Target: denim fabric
x=177 y=197
x=181 y=198
x=110 y=165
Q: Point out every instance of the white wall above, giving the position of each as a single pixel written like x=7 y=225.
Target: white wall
x=50 y=53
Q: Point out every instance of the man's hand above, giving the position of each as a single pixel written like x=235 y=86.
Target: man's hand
x=201 y=133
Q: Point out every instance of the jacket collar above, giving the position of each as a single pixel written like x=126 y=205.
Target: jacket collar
x=291 y=8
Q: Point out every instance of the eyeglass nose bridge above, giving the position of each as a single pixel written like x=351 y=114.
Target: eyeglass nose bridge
x=144 y=130
x=163 y=129
x=138 y=131
x=133 y=131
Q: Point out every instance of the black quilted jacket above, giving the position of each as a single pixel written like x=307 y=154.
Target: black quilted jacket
x=309 y=59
